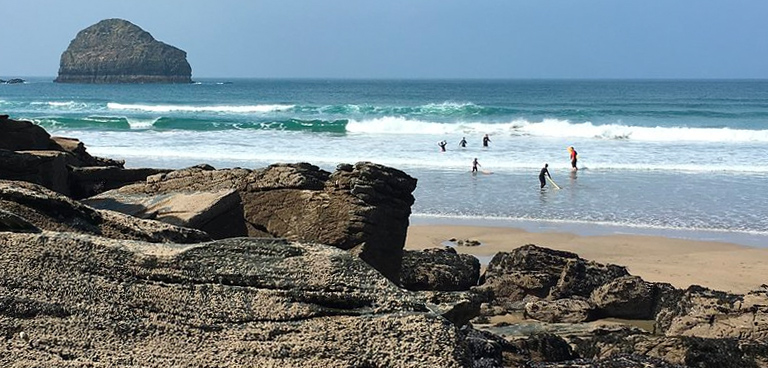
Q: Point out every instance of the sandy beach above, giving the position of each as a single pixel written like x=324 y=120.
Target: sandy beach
x=720 y=266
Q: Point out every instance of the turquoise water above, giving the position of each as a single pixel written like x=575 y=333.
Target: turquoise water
x=686 y=158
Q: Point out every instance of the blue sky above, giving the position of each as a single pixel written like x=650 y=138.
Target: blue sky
x=414 y=38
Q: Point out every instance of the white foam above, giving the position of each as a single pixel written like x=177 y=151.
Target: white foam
x=141 y=123
x=556 y=128
x=566 y=129
x=447 y=107
x=68 y=103
x=238 y=109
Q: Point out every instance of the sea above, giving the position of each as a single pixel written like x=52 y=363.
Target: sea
x=676 y=158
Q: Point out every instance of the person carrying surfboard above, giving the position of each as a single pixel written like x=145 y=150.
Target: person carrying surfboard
x=475 y=164
x=574 y=158
x=543 y=174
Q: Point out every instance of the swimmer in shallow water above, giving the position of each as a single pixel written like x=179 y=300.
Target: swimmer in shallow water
x=574 y=158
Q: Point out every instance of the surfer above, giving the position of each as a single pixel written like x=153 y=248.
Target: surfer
x=442 y=145
x=486 y=139
x=475 y=164
x=463 y=142
x=542 y=177
x=574 y=158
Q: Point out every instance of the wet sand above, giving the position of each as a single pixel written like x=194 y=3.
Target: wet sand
x=721 y=266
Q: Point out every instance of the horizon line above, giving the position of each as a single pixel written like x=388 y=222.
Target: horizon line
x=462 y=78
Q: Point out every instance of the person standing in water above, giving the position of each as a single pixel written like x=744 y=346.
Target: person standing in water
x=475 y=164
x=463 y=142
x=486 y=139
x=542 y=178
x=574 y=158
x=442 y=145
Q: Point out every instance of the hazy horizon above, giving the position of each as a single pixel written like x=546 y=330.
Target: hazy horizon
x=430 y=39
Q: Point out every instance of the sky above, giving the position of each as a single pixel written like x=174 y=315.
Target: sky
x=579 y=39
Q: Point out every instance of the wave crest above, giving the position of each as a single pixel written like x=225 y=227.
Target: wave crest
x=237 y=109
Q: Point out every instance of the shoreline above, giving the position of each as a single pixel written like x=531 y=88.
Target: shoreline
x=721 y=266
x=598 y=229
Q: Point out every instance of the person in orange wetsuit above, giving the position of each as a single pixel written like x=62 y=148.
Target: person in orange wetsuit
x=574 y=158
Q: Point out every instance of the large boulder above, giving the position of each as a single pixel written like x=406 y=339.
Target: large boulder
x=568 y=310
x=362 y=208
x=441 y=269
x=242 y=302
x=218 y=213
x=118 y=51
x=626 y=297
x=531 y=272
x=30 y=206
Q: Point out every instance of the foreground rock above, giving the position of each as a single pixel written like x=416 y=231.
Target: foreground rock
x=30 y=207
x=118 y=51
x=362 y=208
x=78 y=299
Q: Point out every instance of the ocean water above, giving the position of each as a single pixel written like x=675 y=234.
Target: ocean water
x=676 y=158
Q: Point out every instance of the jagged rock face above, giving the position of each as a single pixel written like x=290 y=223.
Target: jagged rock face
x=118 y=51
x=43 y=209
x=439 y=269
x=702 y=312
x=532 y=272
x=671 y=351
x=362 y=208
x=239 y=302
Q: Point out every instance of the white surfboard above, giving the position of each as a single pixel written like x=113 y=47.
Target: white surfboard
x=553 y=183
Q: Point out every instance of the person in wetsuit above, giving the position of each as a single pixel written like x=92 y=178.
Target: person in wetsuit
x=442 y=145
x=542 y=178
x=463 y=142
x=486 y=139
x=475 y=164
x=574 y=158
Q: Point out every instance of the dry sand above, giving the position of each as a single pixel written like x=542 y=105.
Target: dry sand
x=720 y=266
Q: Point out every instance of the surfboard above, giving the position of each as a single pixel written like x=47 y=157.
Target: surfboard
x=486 y=172
x=552 y=182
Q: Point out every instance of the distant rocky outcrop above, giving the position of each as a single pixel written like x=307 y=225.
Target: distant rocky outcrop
x=12 y=81
x=118 y=51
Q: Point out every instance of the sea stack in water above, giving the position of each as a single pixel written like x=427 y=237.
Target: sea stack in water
x=118 y=51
